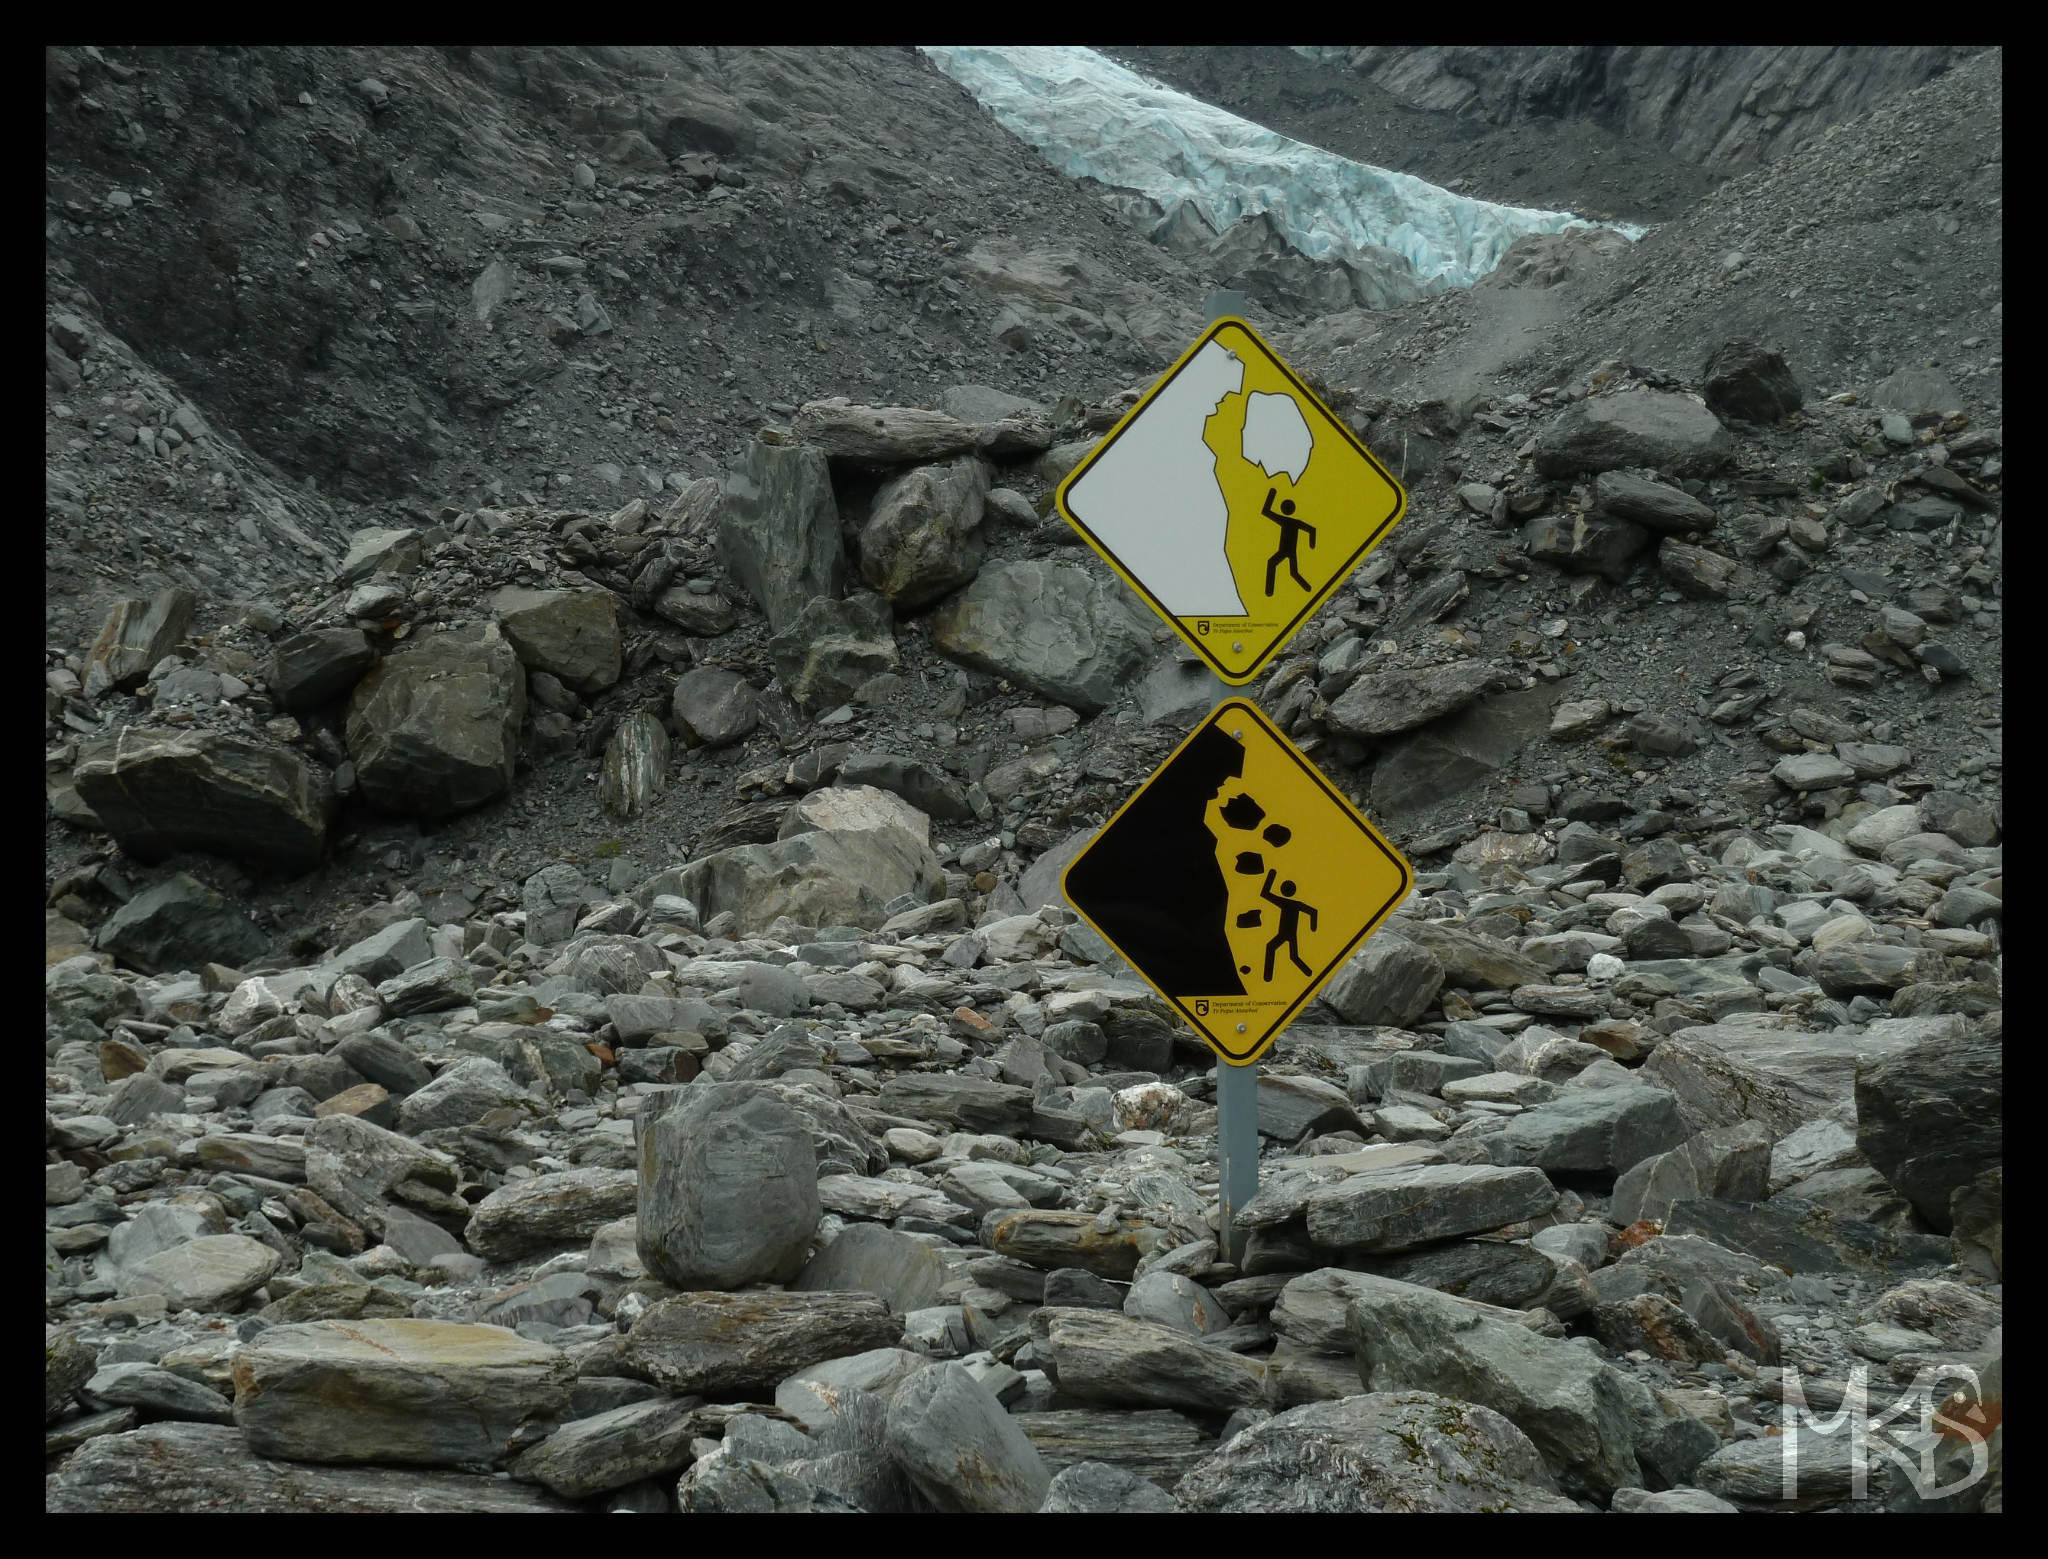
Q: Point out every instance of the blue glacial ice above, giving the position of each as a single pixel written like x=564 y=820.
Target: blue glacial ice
x=1092 y=118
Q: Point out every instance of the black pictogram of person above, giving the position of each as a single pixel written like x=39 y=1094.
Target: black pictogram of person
x=1291 y=530
x=1291 y=911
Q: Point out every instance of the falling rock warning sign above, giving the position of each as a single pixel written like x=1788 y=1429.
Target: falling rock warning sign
x=1232 y=500
x=1237 y=880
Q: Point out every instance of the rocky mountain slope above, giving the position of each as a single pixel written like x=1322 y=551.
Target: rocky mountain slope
x=566 y=704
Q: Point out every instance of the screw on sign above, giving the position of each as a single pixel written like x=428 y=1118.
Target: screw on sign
x=1232 y=501
x=1237 y=880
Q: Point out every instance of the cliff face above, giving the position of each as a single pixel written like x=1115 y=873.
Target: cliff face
x=1721 y=106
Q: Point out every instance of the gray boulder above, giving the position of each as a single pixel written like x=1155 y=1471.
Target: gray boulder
x=714 y=707
x=1747 y=382
x=828 y=877
x=960 y=1447
x=1105 y=1356
x=1581 y=1413
x=180 y=924
x=1096 y=1488
x=868 y=1258
x=1932 y=1119
x=923 y=537
x=923 y=785
x=311 y=669
x=1378 y=1452
x=1597 y=1129
x=1729 y=1072
x=159 y=792
x=1652 y=504
x=741 y=1343
x=880 y=435
x=1729 y=1161
x=831 y=649
x=134 y=637
x=434 y=729
x=437 y=1393
x=728 y=1190
x=1654 y=428
x=1586 y=543
x=635 y=767
x=1382 y=703
x=778 y=532
x=1390 y=980
x=1386 y=1210
x=1055 y=628
x=570 y=634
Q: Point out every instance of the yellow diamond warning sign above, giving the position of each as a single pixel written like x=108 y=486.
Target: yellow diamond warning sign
x=1232 y=500
x=1237 y=880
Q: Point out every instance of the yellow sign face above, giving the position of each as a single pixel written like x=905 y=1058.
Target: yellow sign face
x=1232 y=500
x=1237 y=880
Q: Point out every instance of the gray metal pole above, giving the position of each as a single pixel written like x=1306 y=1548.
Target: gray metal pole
x=1237 y=1148
x=1237 y=1087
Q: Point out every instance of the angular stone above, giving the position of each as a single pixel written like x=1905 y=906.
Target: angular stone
x=1169 y=1299
x=135 y=636
x=180 y=924
x=962 y=1103
x=1700 y=573
x=1600 y=1129
x=778 y=531
x=1096 y=1488
x=563 y=1207
x=1456 y=754
x=1797 y=1471
x=1913 y=388
x=432 y=1393
x=1389 y=981
x=1107 y=1357
x=1382 y=703
x=831 y=649
x=1931 y=1119
x=159 y=1393
x=173 y=1467
x=867 y=1258
x=1470 y=961
x=1870 y=968
x=159 y=792
x=1386 y=1210
x=825 y=878
x=714 y=707
x=728 y=1188
x=1312 y=1311
x=1725 y=1073
x=1748 y=382
x=1291 y=1107
x=1653 y=504
x=1055 y=628
x=311 y=669
x=1813 y=771
x=1156 y=1444
x=1580 y=1412
x=1053 y=1239
x=360 y=1168
x=960 y=1448
x=1653 y=428
x=570 y=634
x=721 y=1344
x=853 y=808
x=1586 y=543
x=1579 y=718
x=434 y=729
x=635 y=767
x=923 y=536
x=612 y=1450
x=1513 y=1276
x=923 y=785
x=1731 y=1162
x=705 y=614
x=1803 y=1237
x=213 y=1272
x=1379 y=1452
x=880 y=435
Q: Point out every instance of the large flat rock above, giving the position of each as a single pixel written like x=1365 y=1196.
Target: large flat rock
x=711 y=1342
x=1727 y=1072
x=201 y=1468
x=160 y=792
x=437 y=1393
x=1056 y=628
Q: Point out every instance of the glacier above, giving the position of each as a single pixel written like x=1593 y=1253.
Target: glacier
x=1401 y=237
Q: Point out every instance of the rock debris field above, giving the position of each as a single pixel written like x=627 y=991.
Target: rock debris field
x=563 y=1002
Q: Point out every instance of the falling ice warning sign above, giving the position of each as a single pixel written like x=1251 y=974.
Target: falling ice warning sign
x=1237 y=880
x=1231 y=500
